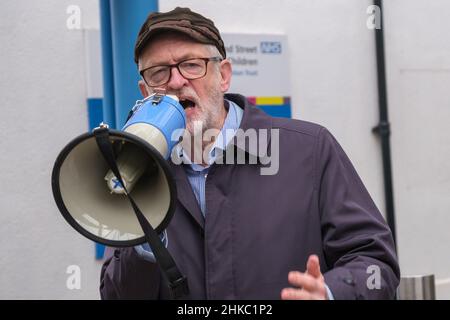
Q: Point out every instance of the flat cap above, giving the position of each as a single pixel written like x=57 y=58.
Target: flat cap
x=181 y=20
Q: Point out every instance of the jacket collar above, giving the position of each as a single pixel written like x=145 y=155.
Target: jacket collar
x=253 y=119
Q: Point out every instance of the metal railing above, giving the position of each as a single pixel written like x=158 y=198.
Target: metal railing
x=418 y=287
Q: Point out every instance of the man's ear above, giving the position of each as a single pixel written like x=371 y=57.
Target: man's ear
x=225 y=71
x=143 y=88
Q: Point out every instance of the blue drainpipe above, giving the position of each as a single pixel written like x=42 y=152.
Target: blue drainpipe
x=120 y=21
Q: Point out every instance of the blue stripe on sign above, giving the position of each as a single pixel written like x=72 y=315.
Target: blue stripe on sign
x=282 y=111
x=95 y=116
x=99 y=251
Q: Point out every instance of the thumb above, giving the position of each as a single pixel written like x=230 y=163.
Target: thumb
x=313 y=266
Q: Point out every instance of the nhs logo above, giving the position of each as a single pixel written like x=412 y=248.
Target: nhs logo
x=273 y=47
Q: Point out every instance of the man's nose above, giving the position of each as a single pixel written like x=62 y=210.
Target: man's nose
x=176 y=81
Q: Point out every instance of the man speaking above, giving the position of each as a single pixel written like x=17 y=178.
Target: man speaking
x=306 y=228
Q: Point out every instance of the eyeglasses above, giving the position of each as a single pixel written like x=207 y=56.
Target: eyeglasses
x=190 y=69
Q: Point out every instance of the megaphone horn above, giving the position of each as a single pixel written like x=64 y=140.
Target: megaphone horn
x=133 y=163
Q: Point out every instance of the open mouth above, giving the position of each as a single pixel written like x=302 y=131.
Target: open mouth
x=186 y=103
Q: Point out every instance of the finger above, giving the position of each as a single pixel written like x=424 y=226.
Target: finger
x=313 y=266
x=300 y=294
x=303 y=280
x=295 y=294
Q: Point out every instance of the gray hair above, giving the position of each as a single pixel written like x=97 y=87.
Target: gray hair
x=214 y=52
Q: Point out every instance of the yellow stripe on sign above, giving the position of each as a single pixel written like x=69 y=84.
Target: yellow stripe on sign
x=269 y=100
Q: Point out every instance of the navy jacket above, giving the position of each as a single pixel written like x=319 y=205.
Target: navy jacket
x=260 y=227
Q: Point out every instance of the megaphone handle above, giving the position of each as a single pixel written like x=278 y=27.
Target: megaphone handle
x=177 y=282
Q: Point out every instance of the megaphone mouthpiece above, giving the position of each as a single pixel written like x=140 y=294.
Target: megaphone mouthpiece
x=131 y=163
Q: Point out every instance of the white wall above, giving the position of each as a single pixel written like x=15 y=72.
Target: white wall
x=43 y=104
x=418 y=56
x=333 y=80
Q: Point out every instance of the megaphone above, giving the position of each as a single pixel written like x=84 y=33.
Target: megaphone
x=103 y=180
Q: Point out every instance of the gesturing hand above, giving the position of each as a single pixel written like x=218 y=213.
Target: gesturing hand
x=309 y=285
